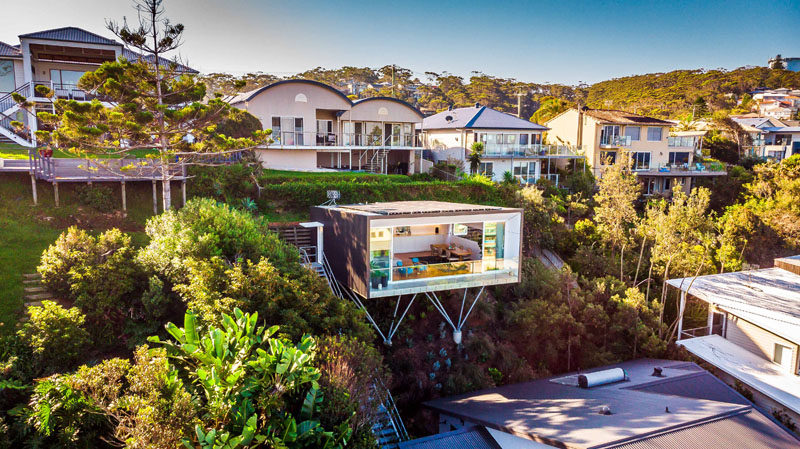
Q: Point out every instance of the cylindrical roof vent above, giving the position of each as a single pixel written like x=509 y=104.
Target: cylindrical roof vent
x=596 y=378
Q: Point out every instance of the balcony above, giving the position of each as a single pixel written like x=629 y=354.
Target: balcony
x=334 y=140
x=532 y=151
x=61 y=91
x=615 y=141
x=698 y=168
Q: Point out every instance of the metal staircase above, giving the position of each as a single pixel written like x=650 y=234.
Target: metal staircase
x=388 y=428
x=9 y=106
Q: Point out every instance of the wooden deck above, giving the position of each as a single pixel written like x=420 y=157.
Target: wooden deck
x=107 y=170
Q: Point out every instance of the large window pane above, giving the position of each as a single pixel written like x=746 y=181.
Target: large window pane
x=7 y=76
x=654 y=134
x=634 y=132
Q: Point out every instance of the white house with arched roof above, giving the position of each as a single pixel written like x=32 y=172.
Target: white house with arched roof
x=316 y=126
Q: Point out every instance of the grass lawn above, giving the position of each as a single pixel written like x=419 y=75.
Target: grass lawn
x=27 y=230
x=11 y=151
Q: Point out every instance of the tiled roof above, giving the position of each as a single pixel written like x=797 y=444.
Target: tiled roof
x=70 y=34
x=476 y=437
x=481 y=117
x=9 y=51
x=613 y=116
x=132 y=55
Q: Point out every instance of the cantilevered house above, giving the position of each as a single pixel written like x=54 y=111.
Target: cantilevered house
x=640 y=404
x=752 y=333
x=56 y=59
x=410 y=248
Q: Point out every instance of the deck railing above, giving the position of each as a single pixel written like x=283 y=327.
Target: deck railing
x=702 y=331
x=333 y=139
x=531 y=150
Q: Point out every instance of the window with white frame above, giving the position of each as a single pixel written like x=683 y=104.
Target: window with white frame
x=634 y=132
x=609 y=135
x=287 y=130
x=486 y=169
x=7 y=83
x=654 y=133
x=641 y=160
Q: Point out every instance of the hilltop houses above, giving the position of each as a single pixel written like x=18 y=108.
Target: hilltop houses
x=56 y=59
x=609 y=136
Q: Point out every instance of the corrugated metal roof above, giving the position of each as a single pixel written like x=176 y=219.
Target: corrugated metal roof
x=481 y=117
x=476 y=437
x=748 y=429
x=70 y=34
x=9 y=51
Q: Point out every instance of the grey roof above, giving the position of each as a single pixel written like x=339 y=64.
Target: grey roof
x=418 y=207
x=9 y=51
x=475 y=437
x=557 y=412
x=481 y=117
x=783 y=129
x=748 y=429
x=132 y=55
x=70 y=34
x=755 y=122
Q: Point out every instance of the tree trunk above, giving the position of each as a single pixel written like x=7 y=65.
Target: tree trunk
x=621 y=259
x=166 y=187
x=663 y=298
x=639 y=263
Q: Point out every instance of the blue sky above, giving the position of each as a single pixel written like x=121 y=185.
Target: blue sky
x=535 y=41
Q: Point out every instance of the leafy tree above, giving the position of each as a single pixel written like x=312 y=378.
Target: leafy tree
x=253 y=389
x=615 y=214
x=475 y=157
x=156 y=105
x=549 y=107
x=777 y=63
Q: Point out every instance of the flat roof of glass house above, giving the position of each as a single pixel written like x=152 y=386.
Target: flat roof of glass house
x=417 y=207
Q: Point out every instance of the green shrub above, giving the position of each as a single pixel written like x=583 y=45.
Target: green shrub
x=55 y=336
x=98 y=197
x=239 y=124
x=73 y=248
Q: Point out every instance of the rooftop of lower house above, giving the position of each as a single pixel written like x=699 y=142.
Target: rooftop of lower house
x=9 y=51
x=683 y=404
x=417 y=208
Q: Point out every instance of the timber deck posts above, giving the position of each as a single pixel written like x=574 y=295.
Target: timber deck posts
x=124 y=199
x=155 y=199
x=55 y=192
x=33 y=186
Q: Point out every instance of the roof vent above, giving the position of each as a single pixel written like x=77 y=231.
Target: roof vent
x=449 y=118
x=658 y=372
x=605 y=410
x=450 y=108
x=596 y=378
x=477 y=105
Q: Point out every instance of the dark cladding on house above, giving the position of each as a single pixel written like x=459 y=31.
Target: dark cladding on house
x=408 y=247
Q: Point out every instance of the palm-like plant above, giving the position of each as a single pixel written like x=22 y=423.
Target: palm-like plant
x=475 y=156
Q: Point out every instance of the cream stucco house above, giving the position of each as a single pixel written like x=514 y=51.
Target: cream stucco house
x=611 y=136
x=510 y=144
x=57 y=59
x=316 y=126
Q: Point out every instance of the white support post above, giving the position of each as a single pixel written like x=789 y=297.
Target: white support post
x=35 y=193
x=124 y=199
x=155 y=199
x=680 y=314
x=55 y=192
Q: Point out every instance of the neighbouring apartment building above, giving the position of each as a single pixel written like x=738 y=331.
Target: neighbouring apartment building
x=510 y=144
x=57 y=59
x=315 y=126
x=611 y=136
x=752 y=333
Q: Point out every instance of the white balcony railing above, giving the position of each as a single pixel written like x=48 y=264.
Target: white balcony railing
x=530 y=150
x=333 y=139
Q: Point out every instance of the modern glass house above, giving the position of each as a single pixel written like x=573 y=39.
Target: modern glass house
x=410 y=247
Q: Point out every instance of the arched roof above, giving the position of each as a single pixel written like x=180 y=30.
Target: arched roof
x=247 y=96
x=396 y=100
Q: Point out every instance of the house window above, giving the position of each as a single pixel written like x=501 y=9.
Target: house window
x=486 y=169
x=654 y=134
x=678 y=157
x=609 y=135
x=276 y=129
x=7 y=83
x=608 y=157
x=641 y=160
x=523 y=139
x=325 y=134
x=287 y=130
x=65 y=79
x=634 y=132
x=783 y=356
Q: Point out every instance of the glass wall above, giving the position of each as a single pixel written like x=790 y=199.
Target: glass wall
x=380 y=257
